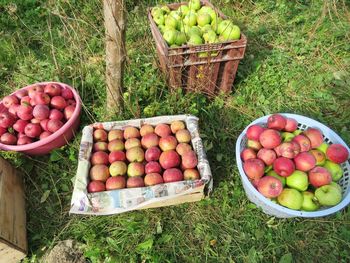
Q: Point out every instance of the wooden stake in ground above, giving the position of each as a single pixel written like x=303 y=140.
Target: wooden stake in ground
x=114 y=15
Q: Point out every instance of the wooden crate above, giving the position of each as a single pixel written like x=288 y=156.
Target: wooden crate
x=185 y=68
x=13 y=239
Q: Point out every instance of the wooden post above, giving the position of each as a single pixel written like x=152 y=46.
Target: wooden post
x=114 y=16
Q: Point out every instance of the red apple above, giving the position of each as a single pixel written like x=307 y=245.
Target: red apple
x=20 y=125
x=248 y=153
x=176 y=126
x=25 y=100
x=43 y=124
x=34 y=89
x=58 y=102
x=96 y=186
x=24 y=140
x=71 y=103
x=135 y=154
x=115 y=182
x=254 y=131
x=13 y=110
x=173 y=175
x=255 y=145
x=41 y=112
x=254 y=168
x=100 y=146
x=277 y=122
x=191 y=174
x=270 y=138
x=2 y=131
x=268 y=156
x=35 y=121
x=167 y=143
x=320 y=157
x=315 y=136
x=54 y=125
x=99 y=172
x=149 y=140
x=319 y=176
x=44 y=134
x=69 y=111
x=146 y=129
x=183 y=136
x=136 y=169
x=116 y=156
x=24 y=112
x=40 y=98
x=32 y=130
x=132 y=142
x=269 y=186
x=153 y=167
x=162 y=130
x=303 y=141
x=289 y=149
x=152 y=154
x=21 y=93
x=283 y=166
x=115 y=134
x=133 y=182
x=52 y=89
x=8 y=138
x=99 y=157
x=10 y=100
x=183 y=148
x=304 y=161
x=131 y=132
x=189 y=160
x=116 y=145
x=153 y=179
x=6 y=119
x=169 y=159
x=100 y=135
x=337 y=153
x=67 y=94
x=291 y=125
x=55 y=115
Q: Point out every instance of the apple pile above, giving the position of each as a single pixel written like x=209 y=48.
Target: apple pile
x=35 y=113
x=141 y=157
x=193 y=24
x=293 y=168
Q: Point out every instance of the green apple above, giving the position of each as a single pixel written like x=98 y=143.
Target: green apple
x=180 y=38
x=174 y=46
x=190 y=19
x=194 y=30
x=309 y=202
x=290 y=198
x=203 y=54
x=287 y=136
x=165 y=9
x=335 y=170
x=328 y=195
x=175 y=14
x=209 y=36
x=298 y=180
x=206 y=28
x=194 y=5
x=223 y=25
x=281 y=178
x=203 y=19
x=231 y=33
x=297 y=132
x=157 y=11
x=323 y=147
x=170 y=21
x=159 y=20
x=268 y=168
x=184 y=28
x=183 y=10
x=336 y=185
x=195 y=40
x=170 y=36
x=215 y=23
x=204 y=9
x=161 y=28
x=273 y=200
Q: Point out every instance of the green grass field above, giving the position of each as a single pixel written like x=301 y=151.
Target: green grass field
x=297 y=61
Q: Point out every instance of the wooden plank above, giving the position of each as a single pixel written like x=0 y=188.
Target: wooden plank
x=12 y=212
x=176 y=200
x=10 y=254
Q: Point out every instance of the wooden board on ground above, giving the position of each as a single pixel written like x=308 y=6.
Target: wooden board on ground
x=13 y=237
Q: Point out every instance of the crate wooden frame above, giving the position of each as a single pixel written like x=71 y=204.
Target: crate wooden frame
x=184 y=68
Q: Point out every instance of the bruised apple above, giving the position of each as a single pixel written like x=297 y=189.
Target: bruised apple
x=254 y=168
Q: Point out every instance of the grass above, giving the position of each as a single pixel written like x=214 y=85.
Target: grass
x=297 y=61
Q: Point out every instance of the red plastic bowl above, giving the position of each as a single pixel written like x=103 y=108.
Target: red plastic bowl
x=55 y=140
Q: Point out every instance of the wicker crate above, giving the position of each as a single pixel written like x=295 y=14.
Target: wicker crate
x=13 y=240
x=186 y=67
